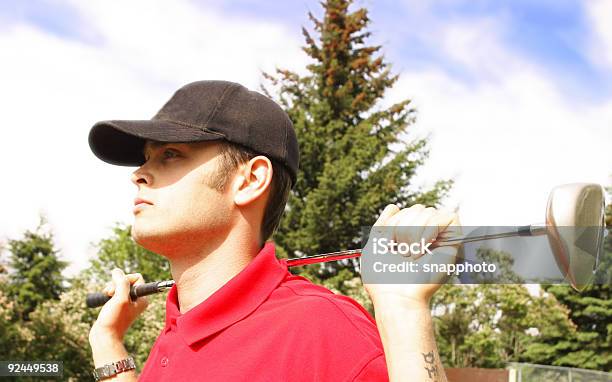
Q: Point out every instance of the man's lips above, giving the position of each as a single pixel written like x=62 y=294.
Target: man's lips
x=138 y=201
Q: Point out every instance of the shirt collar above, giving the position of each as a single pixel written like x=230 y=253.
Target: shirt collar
x=232 y=302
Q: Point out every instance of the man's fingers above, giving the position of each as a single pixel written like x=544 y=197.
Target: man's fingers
x=408 y=224
x=387 y=213
x=135 y=278
x=122 y=284
x=141 y=303
x=109 y=288
x=447 y=223
x=406 y=214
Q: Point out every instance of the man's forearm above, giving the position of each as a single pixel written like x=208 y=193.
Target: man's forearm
x=409 y=343
x=105 y=350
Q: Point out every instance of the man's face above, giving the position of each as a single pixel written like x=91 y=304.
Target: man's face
x=186 y=212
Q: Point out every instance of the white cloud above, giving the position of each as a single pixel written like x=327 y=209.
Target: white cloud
x=508 y=135
x=474 y=46
x=54 y=89
x=600 y=46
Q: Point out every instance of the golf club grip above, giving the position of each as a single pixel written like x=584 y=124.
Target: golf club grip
x=97 y=299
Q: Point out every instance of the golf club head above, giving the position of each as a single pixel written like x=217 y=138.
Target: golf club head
x=575 y=217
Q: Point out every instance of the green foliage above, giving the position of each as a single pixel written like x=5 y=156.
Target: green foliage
x=10 y=332
x=489 y=325
x=36 y=271
x=590 y=311
x=59 y=330
x=354 y=155
x=57 y=327
x=454 y=310
x=556 y=332
x=120 y=251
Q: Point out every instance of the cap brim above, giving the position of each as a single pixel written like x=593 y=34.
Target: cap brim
x=121 y=142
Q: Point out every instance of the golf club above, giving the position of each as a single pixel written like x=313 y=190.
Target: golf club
x=569 y=205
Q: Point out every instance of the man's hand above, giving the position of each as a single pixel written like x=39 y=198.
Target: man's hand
x=409 y=225
x=120 y=311
x=116 y=316
x=402 y=310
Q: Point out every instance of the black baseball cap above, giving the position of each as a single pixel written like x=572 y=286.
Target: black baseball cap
x=203 y=111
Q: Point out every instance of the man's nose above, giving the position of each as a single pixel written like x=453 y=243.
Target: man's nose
x=141 y=177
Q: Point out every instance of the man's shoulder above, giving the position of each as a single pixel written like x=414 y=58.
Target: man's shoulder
x=299 y=302
x=300 y=293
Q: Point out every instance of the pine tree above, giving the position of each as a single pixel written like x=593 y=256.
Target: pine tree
x=36 y=270
x=354 y=155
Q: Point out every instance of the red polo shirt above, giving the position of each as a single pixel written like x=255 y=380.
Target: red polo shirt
x=266 y=324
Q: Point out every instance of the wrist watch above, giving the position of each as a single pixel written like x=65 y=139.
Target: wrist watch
x=112 y=369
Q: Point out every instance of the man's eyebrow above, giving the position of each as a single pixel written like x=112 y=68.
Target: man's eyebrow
x=151 y=145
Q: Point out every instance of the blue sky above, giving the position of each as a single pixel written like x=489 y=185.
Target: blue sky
x=550 y=33
x=516 y=96
x=57 y=18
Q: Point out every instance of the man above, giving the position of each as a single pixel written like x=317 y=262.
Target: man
x=216 y=166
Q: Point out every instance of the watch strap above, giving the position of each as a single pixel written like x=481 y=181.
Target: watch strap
x=114 y=368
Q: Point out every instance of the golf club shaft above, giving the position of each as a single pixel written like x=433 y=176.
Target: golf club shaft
x=98 y=299
x=529 y=230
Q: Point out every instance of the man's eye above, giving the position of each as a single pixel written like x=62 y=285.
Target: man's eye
x=166 y=154
x=170 y=154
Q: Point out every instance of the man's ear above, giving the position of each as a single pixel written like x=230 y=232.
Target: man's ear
x=252 y=180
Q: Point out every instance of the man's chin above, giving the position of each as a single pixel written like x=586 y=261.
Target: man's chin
x=148 y=240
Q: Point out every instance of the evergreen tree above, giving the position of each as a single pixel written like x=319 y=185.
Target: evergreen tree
x=36 y=270
x=556 y=333
x=354 y=155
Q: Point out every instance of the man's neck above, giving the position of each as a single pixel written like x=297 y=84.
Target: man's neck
x=205 y=270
